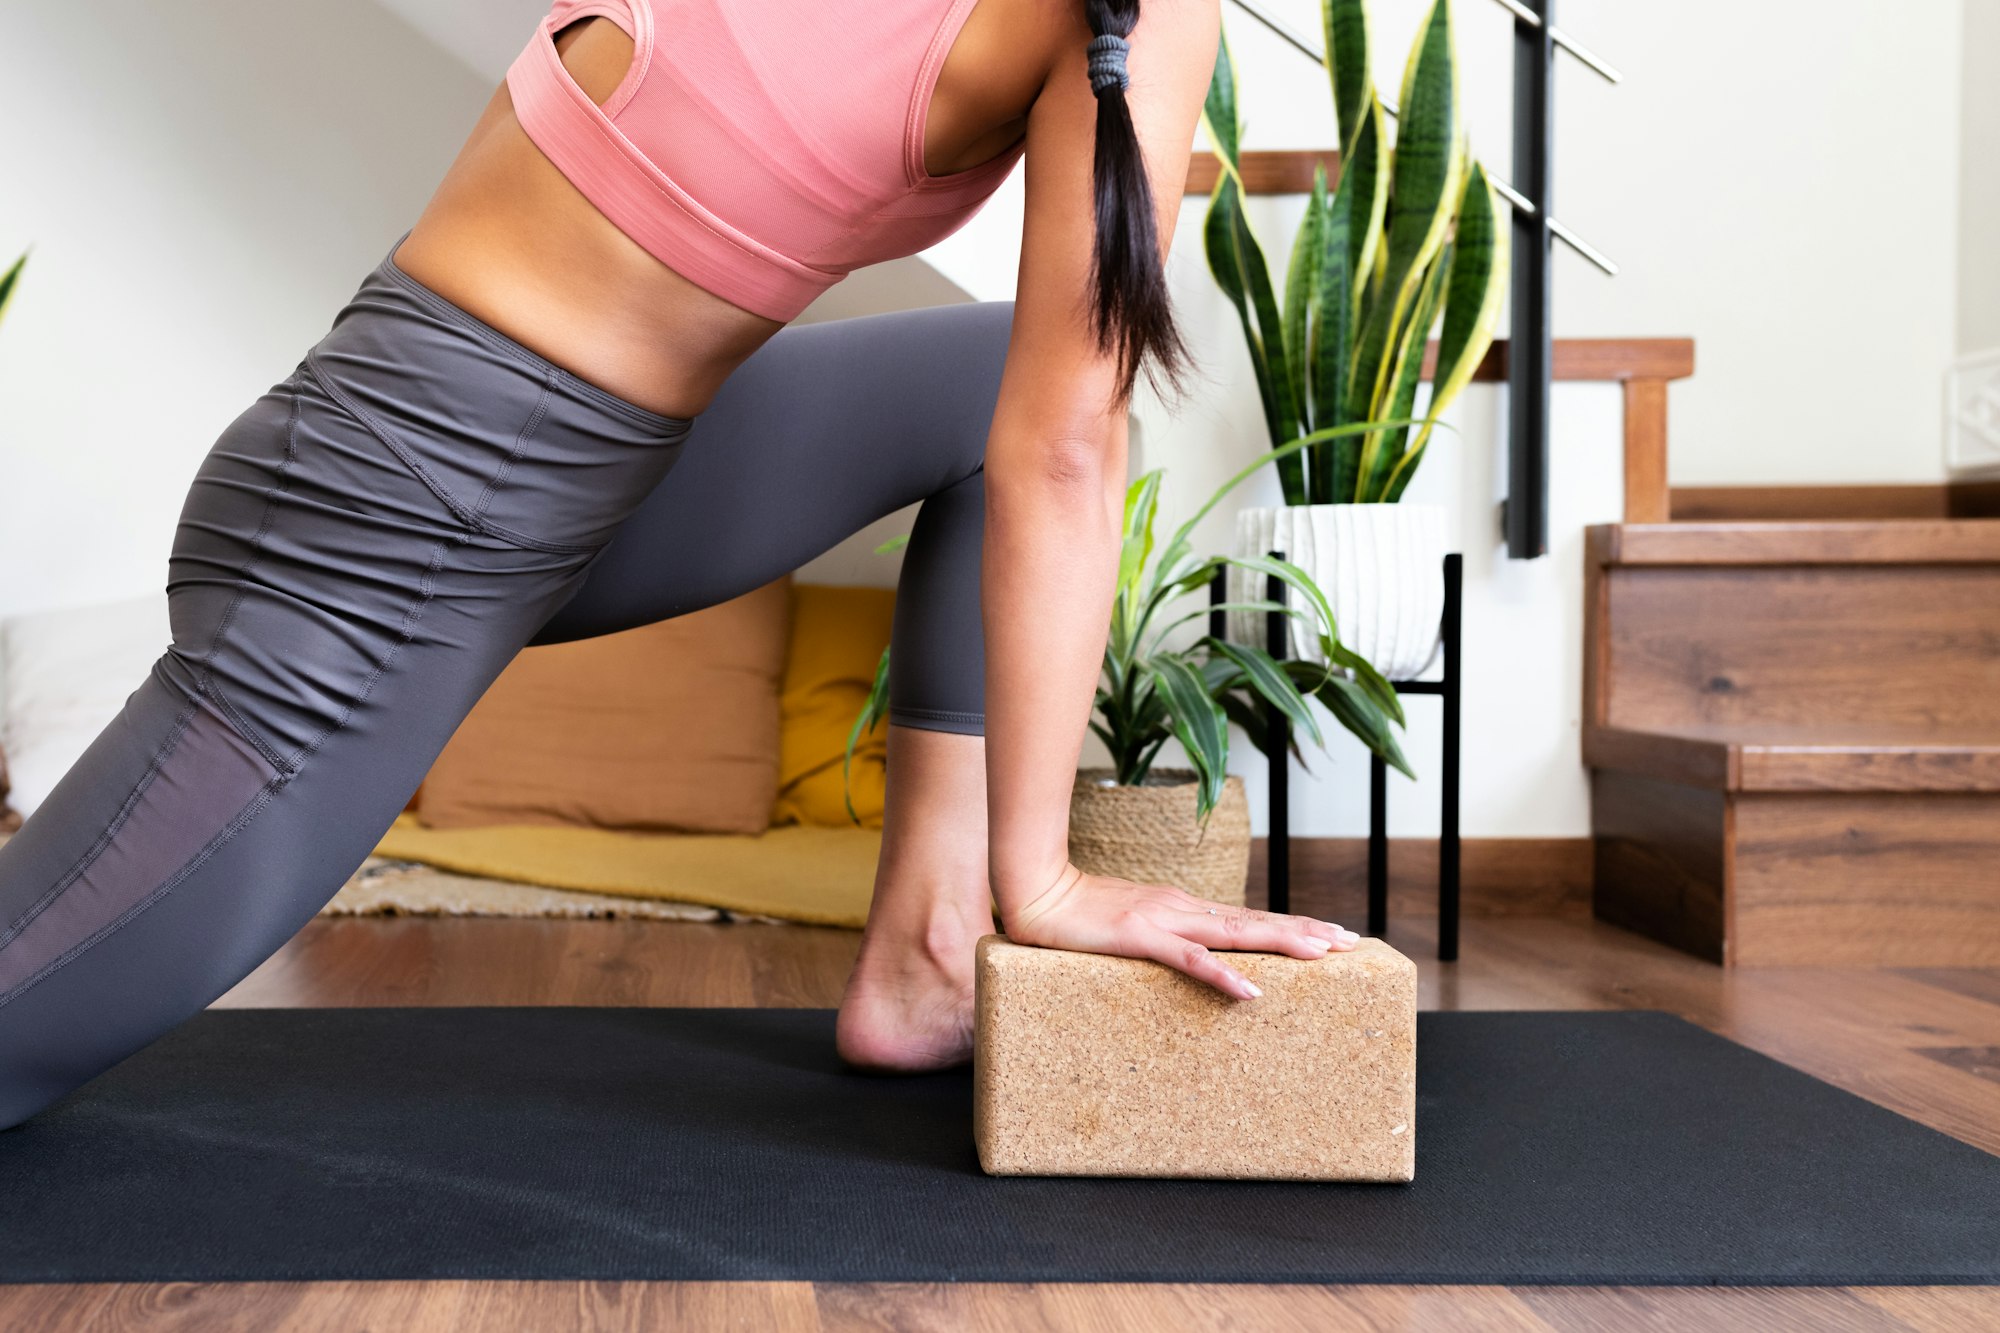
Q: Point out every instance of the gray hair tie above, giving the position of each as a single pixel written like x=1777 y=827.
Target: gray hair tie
x=1107 y=63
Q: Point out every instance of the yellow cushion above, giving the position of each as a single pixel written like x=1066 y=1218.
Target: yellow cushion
x=817 y=875
x=670 y=726
x=837 y=639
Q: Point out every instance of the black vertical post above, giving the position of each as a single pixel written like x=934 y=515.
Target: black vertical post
x=1448 y=849
x=1531 y=346
x=1279 y=862
x=1218 y=593
x=1378 y=846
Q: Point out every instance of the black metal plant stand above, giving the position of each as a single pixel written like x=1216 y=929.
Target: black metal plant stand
x=1278 y=745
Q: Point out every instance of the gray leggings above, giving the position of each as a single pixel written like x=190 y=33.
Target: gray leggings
x=368 y=545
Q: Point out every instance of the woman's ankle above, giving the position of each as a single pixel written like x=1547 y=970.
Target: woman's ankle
x=927 y=932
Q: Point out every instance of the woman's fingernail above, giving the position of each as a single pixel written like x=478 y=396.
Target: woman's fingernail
x=1250 y=988
x=1317 y=944
x=1349 y=937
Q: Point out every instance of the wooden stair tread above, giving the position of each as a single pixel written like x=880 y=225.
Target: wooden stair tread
x=1830 y=756
x=1889 y=541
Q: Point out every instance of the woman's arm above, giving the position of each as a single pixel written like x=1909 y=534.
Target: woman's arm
x=1055 y=484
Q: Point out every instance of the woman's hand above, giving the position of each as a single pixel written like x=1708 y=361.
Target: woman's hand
x=1099 y=914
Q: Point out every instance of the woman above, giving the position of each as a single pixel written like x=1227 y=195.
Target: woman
x=562 y=405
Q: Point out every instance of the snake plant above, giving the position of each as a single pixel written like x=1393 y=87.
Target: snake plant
x=1149 y=691
x=8 y=281
x=1411 y=233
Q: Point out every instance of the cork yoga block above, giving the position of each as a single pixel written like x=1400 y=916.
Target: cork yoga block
x=1086 y=1065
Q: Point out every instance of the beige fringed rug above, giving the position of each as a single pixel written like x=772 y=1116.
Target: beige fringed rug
x=387 y=887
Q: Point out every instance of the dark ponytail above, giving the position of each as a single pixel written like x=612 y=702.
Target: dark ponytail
x=1128 y=305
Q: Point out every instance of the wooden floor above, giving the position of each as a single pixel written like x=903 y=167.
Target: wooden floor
x=1925 y=1043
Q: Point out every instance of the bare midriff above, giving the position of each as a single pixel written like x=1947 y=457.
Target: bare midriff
x=509 y=239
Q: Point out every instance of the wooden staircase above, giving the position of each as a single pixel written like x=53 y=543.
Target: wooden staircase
x=1794 y=736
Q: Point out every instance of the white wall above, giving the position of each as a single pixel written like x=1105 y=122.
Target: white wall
x=1979 y=181
x=1781 y=182
x=204 y=185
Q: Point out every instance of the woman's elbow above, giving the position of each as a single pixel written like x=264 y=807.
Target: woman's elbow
x=1073 y=463
x=1082 y=463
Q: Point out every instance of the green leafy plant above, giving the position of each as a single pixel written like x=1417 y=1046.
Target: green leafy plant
x=1150 y=691
x=1412 y=233
x=10 y=280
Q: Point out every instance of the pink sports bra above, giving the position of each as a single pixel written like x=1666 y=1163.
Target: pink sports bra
x=760 y=148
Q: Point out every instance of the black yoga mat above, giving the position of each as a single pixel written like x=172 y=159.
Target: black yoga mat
x=728 y=1143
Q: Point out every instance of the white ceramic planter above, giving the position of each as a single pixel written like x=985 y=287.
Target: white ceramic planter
x=1380 y=565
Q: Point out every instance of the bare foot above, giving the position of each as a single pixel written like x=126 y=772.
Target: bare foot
x=908 y=1006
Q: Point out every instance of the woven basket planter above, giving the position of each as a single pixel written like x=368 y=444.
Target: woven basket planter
x=1149 y=834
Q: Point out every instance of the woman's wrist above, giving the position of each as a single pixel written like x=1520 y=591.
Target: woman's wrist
x=1024 y=895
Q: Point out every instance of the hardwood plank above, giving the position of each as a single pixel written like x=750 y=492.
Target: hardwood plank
x=1861 y=1029
x=497 y=960
x=1843 y=766
x=1980 y=1061
x=604 y=967
x=1662 y=861
x=1647 y=499
x=640 y=1307
x=1596 y=632
x=1911 y=649
x=1832 y=756
x=1979 y=983
x=1736 y=504
x=1498 y=876
x=942 y=1308
x=54 y=1309
x=1692 y=761
x=1939 y=1309
x=810 y=972
x=410 y=1307
x=1863 y=879
x=233 y=1307
x=1909 y=541
x=1712 y=1309
x=1951 y=499
x=1877 y=880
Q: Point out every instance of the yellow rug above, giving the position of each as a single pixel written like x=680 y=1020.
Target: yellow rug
x=821 y=876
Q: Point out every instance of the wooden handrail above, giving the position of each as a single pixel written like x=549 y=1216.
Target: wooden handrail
x=1603 y=360
x=1289 y=172
x=1644 y=366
